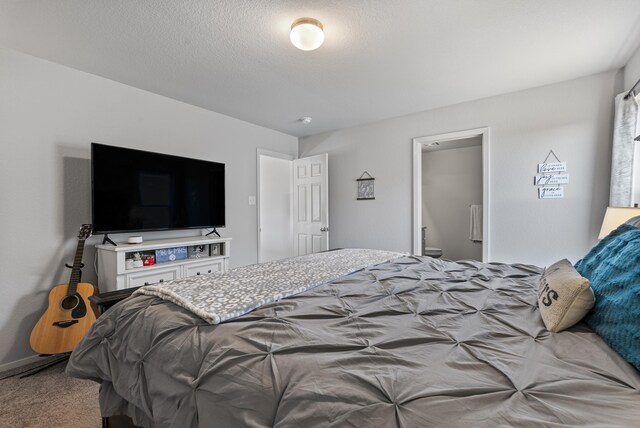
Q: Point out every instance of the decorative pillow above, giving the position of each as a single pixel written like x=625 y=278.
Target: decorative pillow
x=564 y=296
x=613 y=267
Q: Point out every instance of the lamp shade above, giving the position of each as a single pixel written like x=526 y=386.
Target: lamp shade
x=614 y=217
x=307 y=34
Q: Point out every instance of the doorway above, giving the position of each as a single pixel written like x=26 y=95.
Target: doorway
x=292 y=205
x=451 y=194
x=310 y=205
x=274 y=206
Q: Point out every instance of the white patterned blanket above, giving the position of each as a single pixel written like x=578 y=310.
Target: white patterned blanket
x=220 y=297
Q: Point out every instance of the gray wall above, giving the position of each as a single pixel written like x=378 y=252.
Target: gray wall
x=632 y=72
x=451 y=181
x=49 y=115
x=573 y=118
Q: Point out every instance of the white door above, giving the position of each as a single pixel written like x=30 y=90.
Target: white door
x=310 y=205
x=274 y=207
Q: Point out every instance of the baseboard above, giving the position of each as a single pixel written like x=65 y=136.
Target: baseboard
x=19 y=363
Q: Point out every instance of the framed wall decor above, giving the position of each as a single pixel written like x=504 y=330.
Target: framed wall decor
x=365 y=187
x=551 y=178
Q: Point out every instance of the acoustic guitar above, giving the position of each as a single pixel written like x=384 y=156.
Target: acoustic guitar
x=69 y=314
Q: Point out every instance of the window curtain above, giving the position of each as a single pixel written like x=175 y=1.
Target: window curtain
x=625 y=129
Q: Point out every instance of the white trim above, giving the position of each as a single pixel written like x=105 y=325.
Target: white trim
x=417 y=184
x=19 y=363
x=269 y=153
x=263 y=152
x=417 y=197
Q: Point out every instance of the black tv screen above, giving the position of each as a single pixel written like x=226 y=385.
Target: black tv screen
x=134 y=190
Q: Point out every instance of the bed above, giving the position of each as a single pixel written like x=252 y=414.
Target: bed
x=412 y=342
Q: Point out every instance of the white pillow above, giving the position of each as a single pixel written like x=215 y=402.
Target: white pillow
x=564 y=296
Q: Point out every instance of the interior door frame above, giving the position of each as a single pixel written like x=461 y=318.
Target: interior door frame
x=324 y=205
x=269 y=153
x=418 y=142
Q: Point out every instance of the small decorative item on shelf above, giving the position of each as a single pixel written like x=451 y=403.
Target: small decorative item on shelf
x=365 y=187
x=164 y=255
x=149 y=260
x=134 y=260
x=216 y=249
x=139 y=259
x=198 y=251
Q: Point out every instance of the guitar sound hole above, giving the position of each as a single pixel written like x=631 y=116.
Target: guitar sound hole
x=70 y=302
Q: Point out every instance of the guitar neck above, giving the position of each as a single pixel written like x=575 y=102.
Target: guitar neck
x=75 y=270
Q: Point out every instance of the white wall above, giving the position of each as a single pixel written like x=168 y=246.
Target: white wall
x=275 y=208
x=573 y=118
x=451 y=182
x=49 y=115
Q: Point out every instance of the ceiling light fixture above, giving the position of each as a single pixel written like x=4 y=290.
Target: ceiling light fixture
x=307 y=34
x=305 y=119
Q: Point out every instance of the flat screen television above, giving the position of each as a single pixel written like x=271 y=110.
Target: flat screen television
x=134 y=190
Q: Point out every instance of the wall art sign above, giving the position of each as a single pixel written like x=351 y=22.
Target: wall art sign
x=365 y=187
x=546 y=179
x=544 y=168
x=550 y=177
x=551 y=192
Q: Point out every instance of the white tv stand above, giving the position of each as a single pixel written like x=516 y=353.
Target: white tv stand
x=114 y=275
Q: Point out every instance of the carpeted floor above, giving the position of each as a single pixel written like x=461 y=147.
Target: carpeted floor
x=49 y=399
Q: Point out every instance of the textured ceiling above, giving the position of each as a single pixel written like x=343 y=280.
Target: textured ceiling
x=380 y=59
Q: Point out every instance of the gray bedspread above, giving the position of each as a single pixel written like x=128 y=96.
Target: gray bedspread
x=416 y=342
x=224 y=296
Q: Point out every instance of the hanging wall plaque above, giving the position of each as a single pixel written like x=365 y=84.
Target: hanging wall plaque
x=551 y=192
x=551 y=176
x=545 y=168
x=365 y=187
x=547 y=179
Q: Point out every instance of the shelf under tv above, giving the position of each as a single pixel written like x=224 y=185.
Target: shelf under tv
x=113 y=274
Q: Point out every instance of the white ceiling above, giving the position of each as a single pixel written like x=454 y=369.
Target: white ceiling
x=381 y=58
